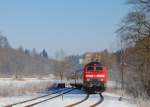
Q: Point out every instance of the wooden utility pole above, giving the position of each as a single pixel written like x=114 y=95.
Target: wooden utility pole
x=122 y=69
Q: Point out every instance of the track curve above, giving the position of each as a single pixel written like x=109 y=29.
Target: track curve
x=77 y=103
x=99 y=102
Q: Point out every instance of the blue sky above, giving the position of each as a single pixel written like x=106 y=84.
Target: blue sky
x=76 y=26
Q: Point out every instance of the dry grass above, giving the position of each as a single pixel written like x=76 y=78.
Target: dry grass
x=12 y=88
x=142 y=103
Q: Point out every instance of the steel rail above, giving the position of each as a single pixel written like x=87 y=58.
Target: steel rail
x=79 y=102
x=55 y=92
x=49 y=98
x=99 y=102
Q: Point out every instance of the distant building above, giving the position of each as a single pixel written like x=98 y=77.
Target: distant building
x=90 y=56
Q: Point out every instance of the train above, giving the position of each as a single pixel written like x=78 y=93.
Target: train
x=95 y=77
x=94 y=73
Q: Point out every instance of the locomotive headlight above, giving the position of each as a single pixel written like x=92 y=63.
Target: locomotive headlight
x=102 y=76
x=89 y=76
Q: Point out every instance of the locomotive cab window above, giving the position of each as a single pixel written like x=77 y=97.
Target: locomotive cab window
x=90 y=68
x=99 y=68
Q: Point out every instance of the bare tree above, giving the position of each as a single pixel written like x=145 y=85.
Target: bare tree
x=4 y=42
x=135 y=33
x=61 y=65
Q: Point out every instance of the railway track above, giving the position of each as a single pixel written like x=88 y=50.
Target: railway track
x=99 y=102
x=37 y=98
x=86 y=98
x=36 y=101
x=77 y=103
x=49 y=98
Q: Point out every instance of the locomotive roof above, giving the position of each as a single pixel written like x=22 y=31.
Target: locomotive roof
x=94 y=63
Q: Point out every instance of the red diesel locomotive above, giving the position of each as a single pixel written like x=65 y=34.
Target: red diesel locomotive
x=94 y=77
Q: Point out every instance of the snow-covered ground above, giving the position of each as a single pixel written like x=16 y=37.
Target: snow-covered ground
x=16 y=90
x=110 y=100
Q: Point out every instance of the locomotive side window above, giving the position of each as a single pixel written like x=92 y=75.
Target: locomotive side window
x=99 y=68
x=90 y=68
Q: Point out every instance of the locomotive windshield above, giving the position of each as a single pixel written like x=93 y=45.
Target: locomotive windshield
x=99 y=68
x=90 y=68
x=94 y=66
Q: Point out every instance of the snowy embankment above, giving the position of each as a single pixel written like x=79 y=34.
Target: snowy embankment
x=114 y=89
x=11 y=87
x=12 y=91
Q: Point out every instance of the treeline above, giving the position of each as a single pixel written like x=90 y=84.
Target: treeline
x=22 y=62
x=134 y=34
x=18 y=63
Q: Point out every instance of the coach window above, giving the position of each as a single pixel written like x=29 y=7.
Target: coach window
x=90 y=68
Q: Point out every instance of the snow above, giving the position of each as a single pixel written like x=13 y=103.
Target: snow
x=62 y=101
x=10 y=100
x=15 y=88
x=110 y=100
x=8 y=81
